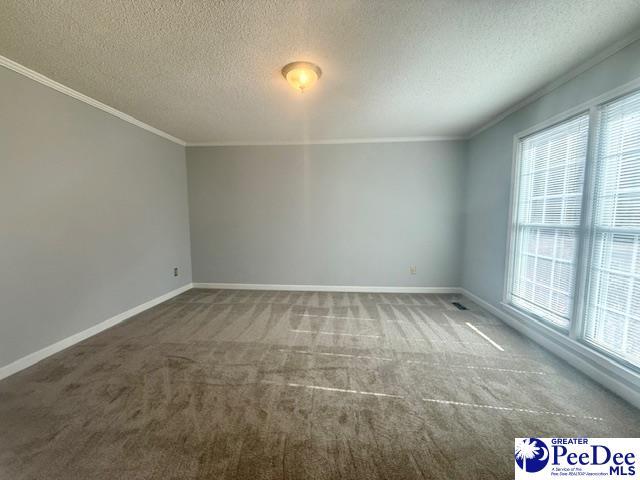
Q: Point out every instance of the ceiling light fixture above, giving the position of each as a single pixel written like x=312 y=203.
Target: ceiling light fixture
x=301 y=75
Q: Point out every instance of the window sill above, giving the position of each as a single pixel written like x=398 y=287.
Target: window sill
x=609 y=372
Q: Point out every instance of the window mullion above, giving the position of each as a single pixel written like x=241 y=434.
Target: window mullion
x=585 y=235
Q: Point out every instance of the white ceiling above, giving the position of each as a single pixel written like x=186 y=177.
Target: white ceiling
x=209 y=71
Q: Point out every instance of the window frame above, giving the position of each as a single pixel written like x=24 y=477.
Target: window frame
x=576 y=330
x=513 y=214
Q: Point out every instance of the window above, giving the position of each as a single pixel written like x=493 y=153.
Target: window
x=548 y=219
x=613 y=310
x=557 y=175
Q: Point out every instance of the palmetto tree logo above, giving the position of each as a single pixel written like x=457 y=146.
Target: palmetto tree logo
x=532 y=454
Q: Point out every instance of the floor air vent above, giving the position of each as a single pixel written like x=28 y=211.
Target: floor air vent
x=459 y=306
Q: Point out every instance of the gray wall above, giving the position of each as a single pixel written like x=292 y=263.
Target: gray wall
x=93 y=216
x=489 y=169
x=354 y=214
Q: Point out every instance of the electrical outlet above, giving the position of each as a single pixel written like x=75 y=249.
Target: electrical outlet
x=175 y=271
x=412 y=269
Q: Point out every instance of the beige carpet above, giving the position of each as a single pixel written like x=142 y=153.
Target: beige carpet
x=284 y=385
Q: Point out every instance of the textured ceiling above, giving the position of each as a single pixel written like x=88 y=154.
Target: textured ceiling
x=208 y=71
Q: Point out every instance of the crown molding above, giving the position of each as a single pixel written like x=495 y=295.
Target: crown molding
x=27 y=72
x=570 y=75
x=33 y=75
x=337 y=141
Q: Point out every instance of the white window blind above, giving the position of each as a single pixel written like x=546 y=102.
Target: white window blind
x=547 y=220
x=612 y=319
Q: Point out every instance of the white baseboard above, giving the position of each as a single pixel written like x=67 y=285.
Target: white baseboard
x=35 y=357
x=603 y=370
x=325 y=288
x=607 y=372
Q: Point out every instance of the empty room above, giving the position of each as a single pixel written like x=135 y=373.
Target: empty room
x=304 y=239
